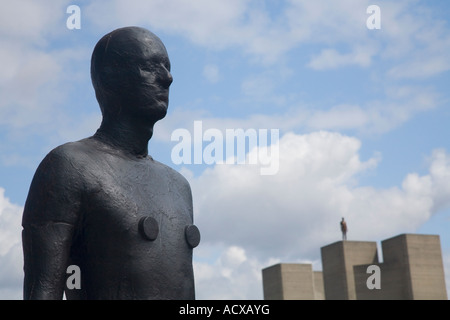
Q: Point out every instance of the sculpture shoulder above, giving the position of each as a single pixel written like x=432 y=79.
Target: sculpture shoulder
x=56 y=188
x=64 y=166
x=177 y=178
x=69 y=156
x=73 y=151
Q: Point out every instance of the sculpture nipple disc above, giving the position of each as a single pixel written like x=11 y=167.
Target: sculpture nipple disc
x=148 y=227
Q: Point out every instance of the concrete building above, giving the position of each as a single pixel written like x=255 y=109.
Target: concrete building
x=412 y=269
x=292 y=281
x=338 y=260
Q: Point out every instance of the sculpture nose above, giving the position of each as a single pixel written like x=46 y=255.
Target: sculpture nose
x=168 y=79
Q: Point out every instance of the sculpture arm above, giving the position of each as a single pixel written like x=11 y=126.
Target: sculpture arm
x=49 y=221
x=46 y=252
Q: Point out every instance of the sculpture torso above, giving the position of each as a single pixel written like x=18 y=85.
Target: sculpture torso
x=117 y=260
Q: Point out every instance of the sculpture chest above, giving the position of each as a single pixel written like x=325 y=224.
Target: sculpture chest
x=133 y=228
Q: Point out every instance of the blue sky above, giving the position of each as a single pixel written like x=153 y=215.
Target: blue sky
x=362 y=114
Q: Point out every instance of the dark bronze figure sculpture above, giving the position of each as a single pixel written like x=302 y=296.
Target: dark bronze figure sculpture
x=102 y=203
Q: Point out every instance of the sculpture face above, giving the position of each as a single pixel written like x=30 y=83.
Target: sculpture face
x=130 y=71
x=155 y=78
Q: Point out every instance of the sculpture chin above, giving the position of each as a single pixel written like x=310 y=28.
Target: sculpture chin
x=155 y=112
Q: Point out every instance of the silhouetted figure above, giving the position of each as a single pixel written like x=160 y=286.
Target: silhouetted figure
x=344 y=229
x=105 y=205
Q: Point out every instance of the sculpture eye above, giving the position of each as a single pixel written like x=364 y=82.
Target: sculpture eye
x=146 y=69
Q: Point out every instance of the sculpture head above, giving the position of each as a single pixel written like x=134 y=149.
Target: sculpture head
x=130 y=72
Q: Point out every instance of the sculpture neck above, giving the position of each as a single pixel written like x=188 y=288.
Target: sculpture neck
x=128 y=135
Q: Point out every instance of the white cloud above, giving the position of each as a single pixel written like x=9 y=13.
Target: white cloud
x=41 y=70
x=28 y=74
x=34 y=82
x=397 y=105
x=339 y=117
x=318 y=178
x=424 y=64
x=297 y=210
x=273 y=214
x=204 y=22
x=423 y=46
x=11 y=260
x=211 y=73
x=416 y=43
x=31 y=21
x=35 y=78
x=255 y=221
x=332 y=59
x=233 y=275
x=258 y=87
x=247 y=24
x=290 y=215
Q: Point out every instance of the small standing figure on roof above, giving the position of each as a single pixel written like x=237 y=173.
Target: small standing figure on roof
x=344 y=229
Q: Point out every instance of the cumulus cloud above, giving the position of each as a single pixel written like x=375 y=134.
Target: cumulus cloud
x=11 y=260
x=32 y=21
x=397 y=106
x=204 y=22
x=34 y=82
x=249 y=221
x=332 y=59
x=41 y=73
x=27 y=86
x=246 y=24
x=414 y=37
x=252 y=219
x=232 y=275
x=276 y=214
x=36 y=77
x=267 y=36
x=290 y=215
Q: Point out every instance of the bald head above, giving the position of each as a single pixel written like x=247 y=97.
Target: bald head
x=130 y=72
